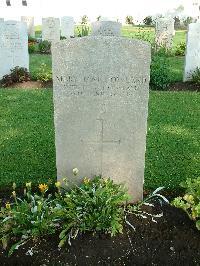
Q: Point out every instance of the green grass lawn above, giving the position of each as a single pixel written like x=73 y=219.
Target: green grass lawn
x=28 y=149
x=176 y=64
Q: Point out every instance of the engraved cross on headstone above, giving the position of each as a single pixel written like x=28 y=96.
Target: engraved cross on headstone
x=102 y=141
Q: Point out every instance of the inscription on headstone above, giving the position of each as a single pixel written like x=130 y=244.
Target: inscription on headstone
x=192 y=58
x=13 y=46
x=106 y=28
x=51 y=29
x=101 y=108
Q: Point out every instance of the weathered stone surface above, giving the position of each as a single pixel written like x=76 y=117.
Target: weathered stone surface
x=164 y=32
x=106 y=28
x=67 y=26
x=101 y=90
x=51 y=29
x=13 y=46
x=30 y=25
x=192 y=58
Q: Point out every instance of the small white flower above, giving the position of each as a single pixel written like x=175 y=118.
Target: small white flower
x=75 y=171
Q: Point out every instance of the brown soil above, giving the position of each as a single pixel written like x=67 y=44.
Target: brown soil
x=185 y=86
x=173 y=240
x=32 y=85
x=178 y=86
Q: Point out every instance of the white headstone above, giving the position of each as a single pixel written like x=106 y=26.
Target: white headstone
x=106 y=28
x=164 y=32
x=51 y=29
x=13 y=46
x=30 y=25
x=67 y=26
x=192 y=58
x=101 y=91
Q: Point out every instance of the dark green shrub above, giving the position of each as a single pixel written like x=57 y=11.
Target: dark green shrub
x=63 y=38
x=31 y=48
x=148 y=21
x=18 y=74
x=195 y=76
x=180 y=49
x=44 y=47
x=187 y=21
x=177 y=22
x=160 y=72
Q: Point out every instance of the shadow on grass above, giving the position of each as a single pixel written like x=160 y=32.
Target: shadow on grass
x=26 y=136
x=173 y=139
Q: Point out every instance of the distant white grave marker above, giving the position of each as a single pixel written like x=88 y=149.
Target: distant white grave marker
x=101 y=91
x=30 y=25
x=164 y=32
x=67 y=26
x=106 y=28
x=51 y=29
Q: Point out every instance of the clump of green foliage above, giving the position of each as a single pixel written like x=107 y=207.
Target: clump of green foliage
x=44 y=73
x=30 y=217
x=44 y=47
x=180 y=49
x=17 y=75
x=160 y=76
x=94 y=206
x=195 y=76
x=98 y=205
x=190 y=202
x=83 y=30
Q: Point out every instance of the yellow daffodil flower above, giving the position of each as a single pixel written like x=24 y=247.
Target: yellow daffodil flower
x=43 y=187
